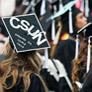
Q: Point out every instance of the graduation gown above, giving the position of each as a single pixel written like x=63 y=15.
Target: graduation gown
x=87 y=86
x=35 y=86
x=53 y=85
x=63 y=86
x=56 y=80
x=66 y=53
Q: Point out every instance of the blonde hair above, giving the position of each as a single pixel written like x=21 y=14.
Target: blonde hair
x=20 y=65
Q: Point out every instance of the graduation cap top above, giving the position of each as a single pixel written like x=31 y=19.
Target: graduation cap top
x=25 y=32
x=63 y=10
x=87 y=30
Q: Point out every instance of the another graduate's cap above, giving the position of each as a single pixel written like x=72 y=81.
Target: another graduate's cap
x=66 y=12
x=86 y=30
x=26 y=32
x=63 y=10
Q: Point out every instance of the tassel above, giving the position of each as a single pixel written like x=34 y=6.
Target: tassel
x=88 y=56
x=53 y=30
x=46 y=55
x=86 y=8
x=60 y=5
x=77 y=45
x=70 y=21
x=42 y=9
x=53 y=26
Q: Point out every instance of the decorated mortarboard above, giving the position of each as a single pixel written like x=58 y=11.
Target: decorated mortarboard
x=26 y=32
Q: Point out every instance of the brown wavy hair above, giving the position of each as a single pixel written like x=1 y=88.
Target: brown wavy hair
x=79 y=64
x=22 y=64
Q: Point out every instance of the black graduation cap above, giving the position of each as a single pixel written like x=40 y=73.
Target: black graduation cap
x=65 y=12
x=86 y=30
x=26 y=32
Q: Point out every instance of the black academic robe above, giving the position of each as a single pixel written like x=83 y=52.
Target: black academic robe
x=53 y=85
x=35 y=86
x=66 y=53
x=63 y=86
x=87 y=86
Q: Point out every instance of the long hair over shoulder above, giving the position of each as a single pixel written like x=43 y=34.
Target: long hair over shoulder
x=20 y=65
x=79 y=65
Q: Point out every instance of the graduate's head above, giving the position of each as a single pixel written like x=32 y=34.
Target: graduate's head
x=79 y=19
